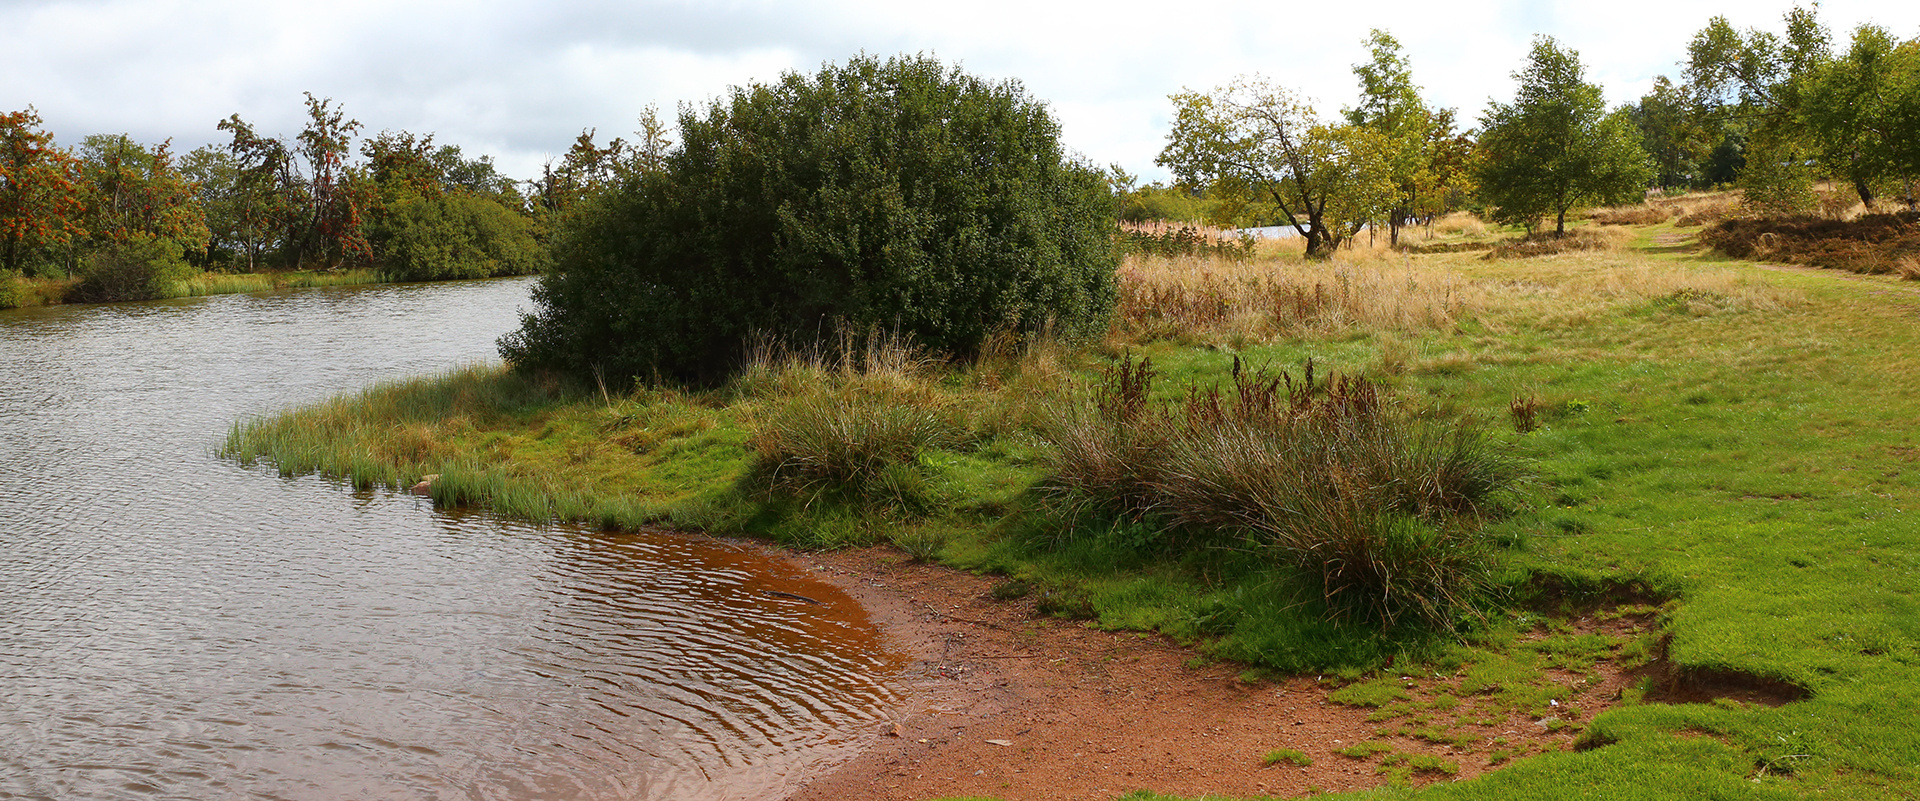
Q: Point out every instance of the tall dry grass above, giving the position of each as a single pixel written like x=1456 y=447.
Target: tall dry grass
x=1687 y=209
x=1376 y=291
x=1217 y=300
x=1550 y=243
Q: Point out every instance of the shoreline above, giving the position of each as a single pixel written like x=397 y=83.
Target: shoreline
x=1004 y=704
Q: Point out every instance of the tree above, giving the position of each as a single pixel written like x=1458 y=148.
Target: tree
x=1556 y=147
x=1391 y=105
x=40 y=192
x=1854 y=112
x=330 y=225
x=895 y=195
x=137 y=191
x=1754 y=83
x=266 y=194
x=1679 y=139
x=436 y=215
x=1254 y=138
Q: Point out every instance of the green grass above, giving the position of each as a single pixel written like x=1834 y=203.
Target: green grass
x=242 y=283
x=1732 y=446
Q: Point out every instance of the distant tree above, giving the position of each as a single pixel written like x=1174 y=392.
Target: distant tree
x=1390 y=104
x=41 y=193
x=1555 y=146
x=214 y=175
x=267 y=193
x=1678 y=138
x=1253 y=138
x=436 y=215
x=135 y=190
x=1755 y=83
x=329 y=226
x=142 y=217
x=1856 y=110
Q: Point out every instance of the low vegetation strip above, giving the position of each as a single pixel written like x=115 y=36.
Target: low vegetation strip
x=1875 y=244
x=1729 y=451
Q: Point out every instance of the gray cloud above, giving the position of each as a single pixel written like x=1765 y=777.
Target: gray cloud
x=519 y=80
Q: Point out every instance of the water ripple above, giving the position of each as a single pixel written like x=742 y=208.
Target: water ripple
x=173 y=626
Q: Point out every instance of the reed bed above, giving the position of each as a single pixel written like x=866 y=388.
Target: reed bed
x=242 y=283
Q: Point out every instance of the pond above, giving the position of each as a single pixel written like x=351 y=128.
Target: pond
x=173 y=625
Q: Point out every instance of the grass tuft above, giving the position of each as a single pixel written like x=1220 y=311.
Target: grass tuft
x=1376 y=504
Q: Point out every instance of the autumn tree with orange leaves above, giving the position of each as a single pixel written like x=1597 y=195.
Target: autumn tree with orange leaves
x=41 y=193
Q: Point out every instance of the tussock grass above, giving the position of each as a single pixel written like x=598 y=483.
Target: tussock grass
x=1377 y=505
x=853 y=419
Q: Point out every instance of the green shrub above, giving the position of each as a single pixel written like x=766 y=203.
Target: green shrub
x=894 y=195
x=450 y=235
x=9 y=289
x=140 y=267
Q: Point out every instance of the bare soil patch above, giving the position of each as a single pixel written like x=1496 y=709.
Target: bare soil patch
x=1011 y=705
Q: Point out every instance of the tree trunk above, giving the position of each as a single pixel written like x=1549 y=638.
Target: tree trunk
x=1866 y=192
x=1320 y=243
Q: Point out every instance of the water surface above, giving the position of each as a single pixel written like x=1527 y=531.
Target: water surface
x=173 y=625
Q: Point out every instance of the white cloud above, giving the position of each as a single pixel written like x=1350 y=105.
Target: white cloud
x=519 y=80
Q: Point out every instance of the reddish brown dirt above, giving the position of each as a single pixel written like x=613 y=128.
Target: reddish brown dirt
x=1011 y=706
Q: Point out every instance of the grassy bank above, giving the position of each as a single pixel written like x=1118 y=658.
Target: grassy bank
x=1727 y=451
x=17 y=291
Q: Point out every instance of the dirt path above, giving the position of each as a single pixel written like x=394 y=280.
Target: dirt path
x=1010 y=706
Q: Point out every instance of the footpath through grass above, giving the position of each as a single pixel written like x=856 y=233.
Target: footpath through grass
x=1729 y=450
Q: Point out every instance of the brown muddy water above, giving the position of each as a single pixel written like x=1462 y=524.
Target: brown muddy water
x=175 y=626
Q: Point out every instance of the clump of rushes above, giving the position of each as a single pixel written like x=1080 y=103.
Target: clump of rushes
x=852 y=422
x=1377 y=505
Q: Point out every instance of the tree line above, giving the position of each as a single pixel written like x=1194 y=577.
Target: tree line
x=1768 y=113
x=125 y=216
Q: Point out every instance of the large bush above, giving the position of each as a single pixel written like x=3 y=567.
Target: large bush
x=897 y=195
x=137 y=267
x=446 y=235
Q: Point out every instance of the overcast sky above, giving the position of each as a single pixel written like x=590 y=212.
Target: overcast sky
x=518 y=80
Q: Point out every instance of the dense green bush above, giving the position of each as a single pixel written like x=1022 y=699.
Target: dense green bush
x=138 y=267
x=448 y=235
x=896 y=195
x=9 y=289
